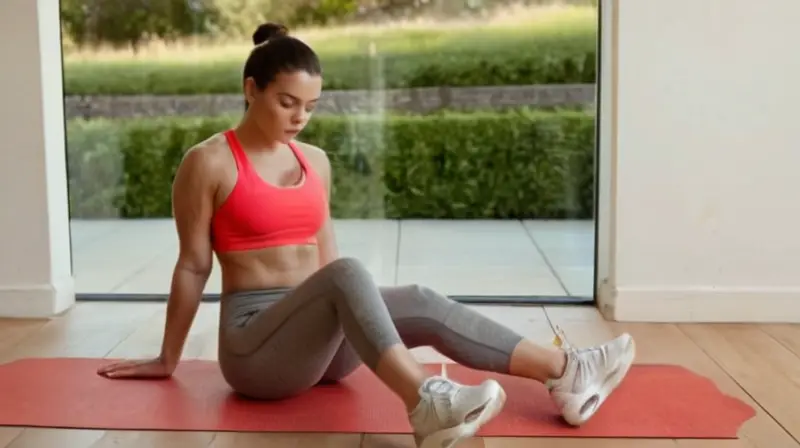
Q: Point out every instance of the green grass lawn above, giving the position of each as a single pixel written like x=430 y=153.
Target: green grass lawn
x=537 y=46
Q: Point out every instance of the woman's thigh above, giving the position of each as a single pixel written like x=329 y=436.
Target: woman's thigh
x=283 y=348
x=292 y=359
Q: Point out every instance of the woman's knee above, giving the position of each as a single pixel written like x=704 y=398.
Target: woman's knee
x=347 y=275
x=422 y=294
x=416 y=300
x=345 y=266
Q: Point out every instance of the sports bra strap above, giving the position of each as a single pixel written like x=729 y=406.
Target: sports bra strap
x=239 y=156
x=300 y=156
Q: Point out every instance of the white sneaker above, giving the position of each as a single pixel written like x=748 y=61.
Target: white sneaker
x=591 y=375
x=449 y=412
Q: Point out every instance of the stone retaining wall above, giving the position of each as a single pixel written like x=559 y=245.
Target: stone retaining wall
x=418 y=100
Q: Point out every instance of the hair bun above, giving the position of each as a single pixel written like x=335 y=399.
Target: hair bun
x=267 y=31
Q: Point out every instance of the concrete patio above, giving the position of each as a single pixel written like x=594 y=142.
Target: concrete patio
x=477 y=258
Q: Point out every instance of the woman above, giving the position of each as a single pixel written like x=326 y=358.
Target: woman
x=294 y=314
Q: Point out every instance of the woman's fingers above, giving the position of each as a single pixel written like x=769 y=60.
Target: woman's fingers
x=117 y=366
x=139 y=368
x=124 y=371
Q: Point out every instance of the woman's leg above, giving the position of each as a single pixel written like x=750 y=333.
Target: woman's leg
x=290 y=345
x=424 y=317
x=343 y=363
x=579 y=380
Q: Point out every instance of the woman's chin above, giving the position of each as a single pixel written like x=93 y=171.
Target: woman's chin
x=287 y=137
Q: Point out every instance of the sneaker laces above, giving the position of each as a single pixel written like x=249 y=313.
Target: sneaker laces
x=561 y=341
x=439 y=387
x=441 y=391
x=582 y=356
x=441 y=394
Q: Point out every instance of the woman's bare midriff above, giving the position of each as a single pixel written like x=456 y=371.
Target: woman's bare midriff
x=285 y=266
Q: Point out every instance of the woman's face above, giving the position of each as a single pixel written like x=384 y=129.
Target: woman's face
x=283 y=109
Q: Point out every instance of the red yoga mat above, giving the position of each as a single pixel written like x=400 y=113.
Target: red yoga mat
x=654 y=401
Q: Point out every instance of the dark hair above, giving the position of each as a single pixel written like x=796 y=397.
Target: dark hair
x=275 y=52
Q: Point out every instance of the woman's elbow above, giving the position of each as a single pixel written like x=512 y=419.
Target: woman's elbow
x=199 y=266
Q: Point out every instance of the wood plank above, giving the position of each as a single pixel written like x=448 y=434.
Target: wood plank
x=577 y=442
x=584 y=327
x=754 y=355
x=388 y=441
x=667 y=344
x=145 y=341
x=738 y=443
x=761 y=365
x=13 y=331
x=285 y=440
x=56 y=438
x=407 y=441
x=786 y=334
x=90 y=329
x=154 y=439
x=8 y=434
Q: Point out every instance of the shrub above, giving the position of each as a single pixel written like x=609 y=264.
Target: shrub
x=515 y=164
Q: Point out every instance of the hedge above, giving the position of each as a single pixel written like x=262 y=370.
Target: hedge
x=568 y=58
x=515 y=164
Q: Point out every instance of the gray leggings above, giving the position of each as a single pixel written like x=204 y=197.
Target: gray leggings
x=280 y=342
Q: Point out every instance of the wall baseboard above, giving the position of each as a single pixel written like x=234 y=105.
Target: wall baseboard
x=37 y=301
x=704 y=305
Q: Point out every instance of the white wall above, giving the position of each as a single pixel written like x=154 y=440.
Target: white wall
x=35 y=272
x=704 y=146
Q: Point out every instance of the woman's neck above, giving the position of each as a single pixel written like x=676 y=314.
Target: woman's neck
x=253 y=138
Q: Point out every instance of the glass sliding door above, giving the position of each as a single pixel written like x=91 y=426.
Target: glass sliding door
x=461 y=134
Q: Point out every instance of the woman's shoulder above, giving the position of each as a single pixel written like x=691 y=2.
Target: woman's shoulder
x=317 y=157
x=200 y=168
x=209 y=154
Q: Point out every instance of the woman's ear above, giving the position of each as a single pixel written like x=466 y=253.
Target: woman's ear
x=250 y=90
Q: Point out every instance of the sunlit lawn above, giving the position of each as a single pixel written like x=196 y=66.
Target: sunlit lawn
x=403 y=52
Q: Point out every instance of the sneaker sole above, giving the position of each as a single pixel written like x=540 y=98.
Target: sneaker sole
x=607 y=388
x=448 y=438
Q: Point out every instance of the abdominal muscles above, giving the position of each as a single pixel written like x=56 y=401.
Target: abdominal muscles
x=284 y=266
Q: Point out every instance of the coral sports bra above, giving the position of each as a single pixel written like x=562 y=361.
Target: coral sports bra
x=257 y=214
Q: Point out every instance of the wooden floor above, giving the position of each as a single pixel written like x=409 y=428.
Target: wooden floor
x=758 y=363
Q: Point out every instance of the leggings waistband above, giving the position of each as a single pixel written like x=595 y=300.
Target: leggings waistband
x=239 y=306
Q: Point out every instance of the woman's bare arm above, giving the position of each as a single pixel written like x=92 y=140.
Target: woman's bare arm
x=193 y=203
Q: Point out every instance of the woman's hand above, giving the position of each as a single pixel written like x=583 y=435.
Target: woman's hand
x=149 y=368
